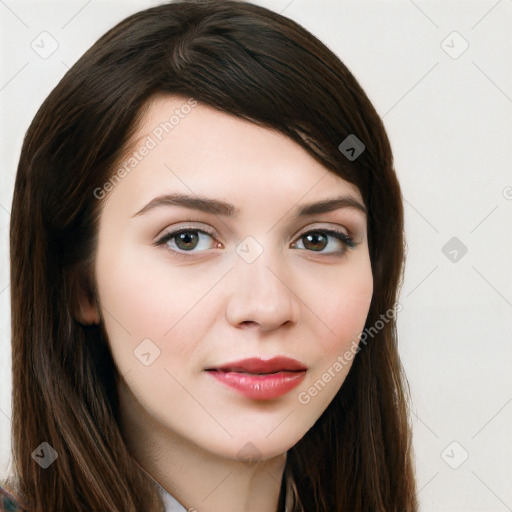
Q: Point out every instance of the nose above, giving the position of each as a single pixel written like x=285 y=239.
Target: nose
x=262 y=296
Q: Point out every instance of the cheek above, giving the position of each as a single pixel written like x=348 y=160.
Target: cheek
x=345 y=306
x=142 y=301
x=344 y=309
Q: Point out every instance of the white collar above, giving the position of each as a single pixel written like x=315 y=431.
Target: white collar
x=170 y=502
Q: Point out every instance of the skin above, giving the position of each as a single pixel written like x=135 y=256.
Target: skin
x=210 y=306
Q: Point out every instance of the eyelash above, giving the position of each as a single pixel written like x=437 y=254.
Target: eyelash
x=347 y=240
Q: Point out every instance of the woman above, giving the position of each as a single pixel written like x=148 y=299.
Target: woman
x=207 y=245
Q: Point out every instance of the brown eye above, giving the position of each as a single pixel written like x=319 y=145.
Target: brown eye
x=318 y=240
x=186 y=240
x=315 y=241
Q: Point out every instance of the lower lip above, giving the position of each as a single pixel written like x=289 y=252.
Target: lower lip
x=260 y=387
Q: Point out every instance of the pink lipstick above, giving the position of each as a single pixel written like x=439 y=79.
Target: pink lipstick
x=260 y=379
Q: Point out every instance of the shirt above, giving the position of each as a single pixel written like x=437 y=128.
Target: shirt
x=170 y=502
x=8 y=502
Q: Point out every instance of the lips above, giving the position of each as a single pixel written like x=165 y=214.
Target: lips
x=257 y=365
x=260 y=379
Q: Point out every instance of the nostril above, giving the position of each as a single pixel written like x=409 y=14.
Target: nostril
x=248 y=323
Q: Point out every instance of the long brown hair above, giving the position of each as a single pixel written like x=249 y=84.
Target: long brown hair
x=249 y=62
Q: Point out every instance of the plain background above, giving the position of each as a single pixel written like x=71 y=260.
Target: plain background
x=448 y=113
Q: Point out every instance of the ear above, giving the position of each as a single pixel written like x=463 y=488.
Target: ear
x=83 y=304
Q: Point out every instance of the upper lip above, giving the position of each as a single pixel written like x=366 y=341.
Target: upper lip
x=262 y=365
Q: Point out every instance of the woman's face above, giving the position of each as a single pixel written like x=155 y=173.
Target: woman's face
x=250 y=280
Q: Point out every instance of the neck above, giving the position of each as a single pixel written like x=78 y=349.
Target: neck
x=200 y=480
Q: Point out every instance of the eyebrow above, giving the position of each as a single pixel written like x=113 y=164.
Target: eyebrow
x=217 y=207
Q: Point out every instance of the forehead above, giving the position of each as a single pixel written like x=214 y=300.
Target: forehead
x=199 y=149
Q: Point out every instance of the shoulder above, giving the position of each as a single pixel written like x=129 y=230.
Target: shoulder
x=9 y=502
